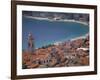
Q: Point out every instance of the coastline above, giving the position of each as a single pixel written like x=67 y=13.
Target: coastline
x=73 y=39
x=80 y=37
x=60 y=20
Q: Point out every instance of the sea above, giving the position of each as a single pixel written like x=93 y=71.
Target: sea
x=47 y=32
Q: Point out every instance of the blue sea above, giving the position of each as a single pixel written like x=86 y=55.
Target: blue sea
x=48 y=32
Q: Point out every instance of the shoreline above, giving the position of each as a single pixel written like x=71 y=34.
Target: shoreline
x=60 y=20
x=73 y=39
x=80 y=37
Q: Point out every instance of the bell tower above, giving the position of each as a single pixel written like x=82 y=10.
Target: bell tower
x=30 y=43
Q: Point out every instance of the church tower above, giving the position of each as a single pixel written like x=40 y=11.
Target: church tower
x=31 y=47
